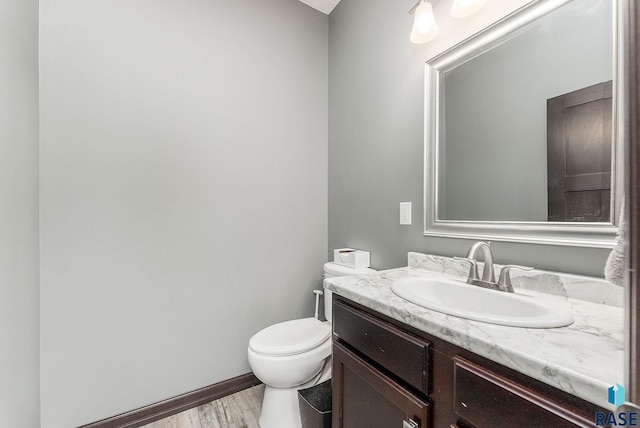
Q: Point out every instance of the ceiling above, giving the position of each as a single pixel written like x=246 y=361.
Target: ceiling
x=324 y=6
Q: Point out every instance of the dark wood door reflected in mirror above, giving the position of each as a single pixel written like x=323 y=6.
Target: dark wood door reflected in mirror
x=579 y=138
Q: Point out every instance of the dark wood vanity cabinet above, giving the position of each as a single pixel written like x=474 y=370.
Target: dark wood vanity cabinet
x=380 y=373
x=388 y=375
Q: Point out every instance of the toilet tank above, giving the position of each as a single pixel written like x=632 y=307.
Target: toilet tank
x=332 y=270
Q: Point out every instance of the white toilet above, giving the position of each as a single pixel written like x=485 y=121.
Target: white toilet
x=293 y=355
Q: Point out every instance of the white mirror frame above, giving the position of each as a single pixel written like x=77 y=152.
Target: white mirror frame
x=598 y=235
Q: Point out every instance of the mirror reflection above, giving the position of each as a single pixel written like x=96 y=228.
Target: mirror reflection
x=525 y=123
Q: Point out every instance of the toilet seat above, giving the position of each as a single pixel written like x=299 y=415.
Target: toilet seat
x=290 y=337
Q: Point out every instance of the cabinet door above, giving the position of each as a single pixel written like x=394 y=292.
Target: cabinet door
x=365 y=398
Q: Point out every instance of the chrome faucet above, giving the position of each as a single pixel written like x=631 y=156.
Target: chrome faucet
x=488 y=275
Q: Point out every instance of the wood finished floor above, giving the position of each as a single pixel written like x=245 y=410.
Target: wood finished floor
x=240 y=410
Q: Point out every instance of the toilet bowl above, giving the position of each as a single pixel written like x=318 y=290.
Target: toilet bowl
x=293 y=355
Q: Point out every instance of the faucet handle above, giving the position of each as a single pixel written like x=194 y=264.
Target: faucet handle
x=505 y=278
x=473 y=269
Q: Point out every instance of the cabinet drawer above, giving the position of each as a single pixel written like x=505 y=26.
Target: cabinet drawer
x=486 y=399
x=404 y=355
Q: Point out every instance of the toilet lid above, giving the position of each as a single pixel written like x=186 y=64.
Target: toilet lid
x=335 y=269
x=290 y=337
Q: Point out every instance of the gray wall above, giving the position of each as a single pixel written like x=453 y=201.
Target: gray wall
x=376 y=136
x=183 y=192
x=19 y=300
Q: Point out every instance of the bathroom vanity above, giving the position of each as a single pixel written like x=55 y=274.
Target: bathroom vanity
x=405 y=357
x=396 y=364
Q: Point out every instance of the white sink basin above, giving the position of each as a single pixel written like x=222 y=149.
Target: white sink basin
x=454 y=297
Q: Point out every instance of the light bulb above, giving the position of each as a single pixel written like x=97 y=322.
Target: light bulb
x=464 y=8
x=424 y=24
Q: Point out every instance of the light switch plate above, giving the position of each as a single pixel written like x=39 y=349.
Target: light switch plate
x=405 y=213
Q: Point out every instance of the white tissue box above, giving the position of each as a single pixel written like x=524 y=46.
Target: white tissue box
x=352 y=258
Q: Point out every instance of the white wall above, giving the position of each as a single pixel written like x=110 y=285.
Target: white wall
x=19 y=384
x=376 y=137
x=183 y=192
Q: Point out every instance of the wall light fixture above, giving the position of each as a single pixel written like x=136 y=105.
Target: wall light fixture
x=424 y=23
x=425 y=27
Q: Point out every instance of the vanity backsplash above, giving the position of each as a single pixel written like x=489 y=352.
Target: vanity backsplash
x=590 y=289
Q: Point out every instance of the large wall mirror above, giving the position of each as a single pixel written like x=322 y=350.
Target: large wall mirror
x=523 y=140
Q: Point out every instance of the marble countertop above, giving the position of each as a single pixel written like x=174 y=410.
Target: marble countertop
x=583 y=359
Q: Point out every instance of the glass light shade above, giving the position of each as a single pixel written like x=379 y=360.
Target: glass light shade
x=424 y=24
x=464 y=8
